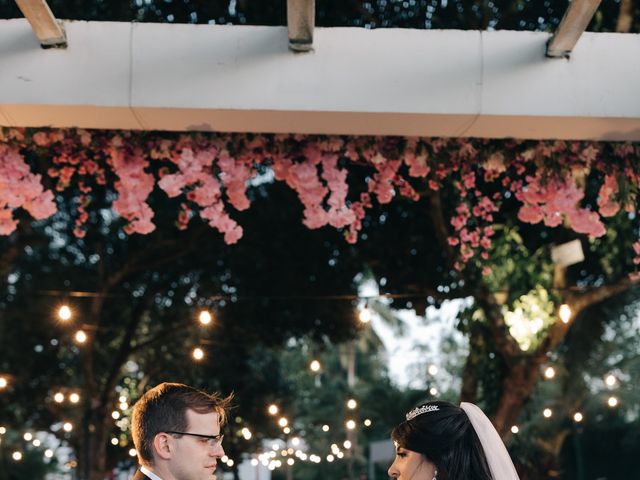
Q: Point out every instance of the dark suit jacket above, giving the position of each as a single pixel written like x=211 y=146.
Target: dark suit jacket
x=139 y=476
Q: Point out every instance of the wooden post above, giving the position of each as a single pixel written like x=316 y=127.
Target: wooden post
x=574 y=22
x=300 y=23
x=45 y=26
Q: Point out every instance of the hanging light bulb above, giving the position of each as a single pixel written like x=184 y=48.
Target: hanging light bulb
x=365 y=314
x=547 y=412
x=197 y=354
x=577 y=417
x=350 y=424
x=565 y=313
x=64 y=313
x=273 y=409
x=205 y=317
x=315 y=366
x=283 y=422
x=81 y=336
x=612 y=402
x=549 y=373
x=610 y=380
x=515 y=429
x=3 y=382
x=352 y=404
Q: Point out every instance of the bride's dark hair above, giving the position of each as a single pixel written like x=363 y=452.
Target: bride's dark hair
x=447 y=439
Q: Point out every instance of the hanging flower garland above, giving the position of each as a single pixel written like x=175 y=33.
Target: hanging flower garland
x=211 y=173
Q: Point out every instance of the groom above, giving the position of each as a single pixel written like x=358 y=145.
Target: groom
x=176 y=432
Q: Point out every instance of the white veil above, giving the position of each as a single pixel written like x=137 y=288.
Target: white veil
x=498 y=458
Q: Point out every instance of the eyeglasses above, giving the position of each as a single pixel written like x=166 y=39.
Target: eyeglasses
x=212 y=440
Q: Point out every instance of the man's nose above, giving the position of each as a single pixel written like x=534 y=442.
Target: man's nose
x=218 y=451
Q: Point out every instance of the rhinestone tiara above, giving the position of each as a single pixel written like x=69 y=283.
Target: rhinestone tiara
x=420 y=410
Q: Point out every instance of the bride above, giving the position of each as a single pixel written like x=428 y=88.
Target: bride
x=440 y=441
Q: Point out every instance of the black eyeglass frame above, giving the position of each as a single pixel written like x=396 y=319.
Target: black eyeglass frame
x=216 y=438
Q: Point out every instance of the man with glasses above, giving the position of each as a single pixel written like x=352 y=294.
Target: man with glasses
x=176 y=432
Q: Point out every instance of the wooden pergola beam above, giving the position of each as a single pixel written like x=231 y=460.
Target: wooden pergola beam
x=576 y=18
x=49 y=32
x=301 y=15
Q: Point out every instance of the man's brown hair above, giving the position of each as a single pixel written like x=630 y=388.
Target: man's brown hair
x=164 y=407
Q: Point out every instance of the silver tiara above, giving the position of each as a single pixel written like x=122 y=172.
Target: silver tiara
x=420 y=410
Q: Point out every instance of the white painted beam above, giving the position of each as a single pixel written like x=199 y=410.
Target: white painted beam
x=355 y=81
x=301 y=15
x=574 y=22
x=48 y=31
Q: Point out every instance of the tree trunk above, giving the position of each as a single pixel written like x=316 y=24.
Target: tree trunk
x=517 y=388
x=92 y=457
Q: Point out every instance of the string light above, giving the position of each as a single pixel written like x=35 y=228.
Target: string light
x=350 y=424
x=367 y=423
x=230 y=463
x=115 y=415
x=564 y=312
x=254 y=462
x=81 y=336
x=246 y=433
x=295 y=441
x=114 y=441
x=514 y=429
x=64 y=313
x=325 y=428
x=329 y=458
x=132 y=452
x=36 y=442
x=17 y=456
x=3 y=383
x=347 y=444
x=612 y=402
x=3 y=430
x=58 y=397
x=205 y=317
x=67 y=427
x=314 y=366
x=433 y=391
x=352 y=404
x=290 y=461
x=273 y=409
x=27 y=436
x=547 y=413
x=365 y=315
x=283 y=422
x=74 y=398
x=549 y=373
x=432 y=370
x=197 y=353
x=610 y=380
x=577 y=417
x=48 y=453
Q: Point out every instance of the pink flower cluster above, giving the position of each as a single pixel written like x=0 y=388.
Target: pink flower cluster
x=554 y=200
x=19 y=188
x=195 y=177
x=211 y=173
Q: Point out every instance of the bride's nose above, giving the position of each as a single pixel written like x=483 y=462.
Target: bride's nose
x=393 y=471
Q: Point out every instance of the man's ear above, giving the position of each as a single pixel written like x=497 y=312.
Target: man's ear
x=162 y=446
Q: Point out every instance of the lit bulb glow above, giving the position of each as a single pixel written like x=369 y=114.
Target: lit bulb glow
x=365 y=315
x=205 y=317
x=547 y=413
x=283 y=422
x=610 y=380
x=352 y=404
x=273 y=409
x=564 y=313
x=515 y=429
x=58 y=397
x=578 y=417
x=549 y=373
x=3 y=382
x=315 y=366
x=74 y=398
x=81 y=336
x=612 y=402
x=67 y=427
x=198 y=354
x=350 y=424
x=64 y=313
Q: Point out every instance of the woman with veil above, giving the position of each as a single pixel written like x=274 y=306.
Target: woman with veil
x=440 y=441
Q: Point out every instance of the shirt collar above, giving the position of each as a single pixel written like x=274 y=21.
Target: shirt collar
x=149 y=473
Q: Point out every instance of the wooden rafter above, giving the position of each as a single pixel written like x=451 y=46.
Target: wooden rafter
x=45 y=26
x=578 y=15
x=300 y=23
